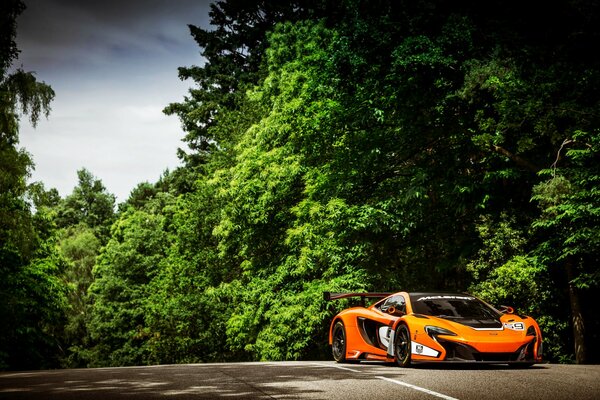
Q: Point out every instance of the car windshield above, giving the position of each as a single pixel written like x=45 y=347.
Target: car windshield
x=452 y=306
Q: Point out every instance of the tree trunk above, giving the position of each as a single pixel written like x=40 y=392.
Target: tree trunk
x=576 y=315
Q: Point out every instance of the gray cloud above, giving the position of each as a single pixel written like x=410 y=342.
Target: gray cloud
x=113 y=66
x=63 y=33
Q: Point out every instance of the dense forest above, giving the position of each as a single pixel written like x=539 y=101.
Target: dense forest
x=330 y=146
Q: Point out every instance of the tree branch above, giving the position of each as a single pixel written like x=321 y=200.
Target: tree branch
x=517 y=159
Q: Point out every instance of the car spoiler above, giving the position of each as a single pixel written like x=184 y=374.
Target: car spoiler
x=329 y=296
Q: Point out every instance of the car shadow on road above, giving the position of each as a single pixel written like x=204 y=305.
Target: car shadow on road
x=476 y=366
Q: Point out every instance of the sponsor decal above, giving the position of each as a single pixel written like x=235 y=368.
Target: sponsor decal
x=422 y=350
x=445 y=298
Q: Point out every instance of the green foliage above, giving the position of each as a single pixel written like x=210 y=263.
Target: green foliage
x=568 y=227
x=79 y=246
x=233 y=52
x=120 y=289
x=501 y=241
x=21 y=93
x=32 y=296
x=34 y=300
x=83 y=220
x=569 y=200
x=89 y=204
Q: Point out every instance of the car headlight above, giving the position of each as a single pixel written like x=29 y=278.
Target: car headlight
x=433 y=331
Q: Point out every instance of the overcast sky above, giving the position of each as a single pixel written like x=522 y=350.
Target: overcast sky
x=113 y=65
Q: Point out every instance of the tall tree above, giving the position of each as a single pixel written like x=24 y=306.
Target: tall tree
x=20 y=93
x=32 y=297
x=119 y=293
x=570 y=228
x=89 y=204
x=85 y=218
x=233 y=51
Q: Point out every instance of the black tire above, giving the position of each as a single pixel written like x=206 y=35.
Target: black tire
x=402 y=346
x=338 y=342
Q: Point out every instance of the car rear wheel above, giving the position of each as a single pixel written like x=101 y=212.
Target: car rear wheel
x=338 y=344
x=402 y=346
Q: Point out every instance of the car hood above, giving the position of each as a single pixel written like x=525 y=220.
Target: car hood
x=509 y=321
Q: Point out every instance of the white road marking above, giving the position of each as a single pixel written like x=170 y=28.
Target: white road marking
x=431 y=392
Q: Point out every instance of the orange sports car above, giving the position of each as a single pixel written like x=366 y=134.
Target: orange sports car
x=432 y=327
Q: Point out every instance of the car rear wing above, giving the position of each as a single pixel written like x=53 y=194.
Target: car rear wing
x=329 y=296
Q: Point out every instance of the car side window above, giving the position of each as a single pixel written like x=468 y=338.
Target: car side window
x=397 y=301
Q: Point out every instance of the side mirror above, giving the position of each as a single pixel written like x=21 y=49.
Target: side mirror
x=507 y=310
x=394 y=311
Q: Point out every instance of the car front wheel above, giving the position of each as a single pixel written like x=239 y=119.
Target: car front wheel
x=402 y=346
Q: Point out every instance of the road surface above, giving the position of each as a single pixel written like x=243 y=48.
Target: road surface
x=306 y=380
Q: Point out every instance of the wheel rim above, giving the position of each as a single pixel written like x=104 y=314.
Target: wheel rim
x=402 y=343
x=339 y=342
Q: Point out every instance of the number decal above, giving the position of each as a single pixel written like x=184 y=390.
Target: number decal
x=515 y=326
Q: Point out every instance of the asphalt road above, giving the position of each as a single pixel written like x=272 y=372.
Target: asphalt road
x=306 y=380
